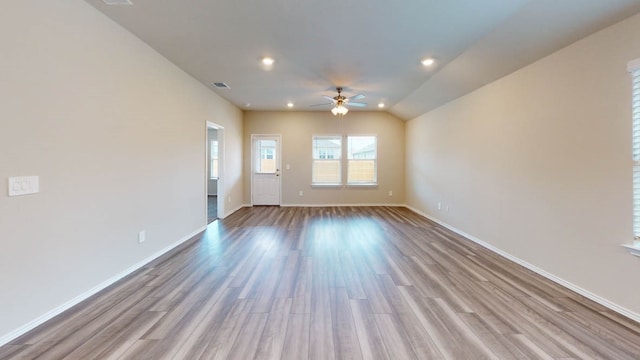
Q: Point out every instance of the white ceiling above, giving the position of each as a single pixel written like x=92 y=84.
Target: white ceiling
x=372 y=47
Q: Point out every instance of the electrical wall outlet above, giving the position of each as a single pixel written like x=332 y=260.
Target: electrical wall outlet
x=23 y=185
x=390 y=193
x=142 y=236
x=300 y=193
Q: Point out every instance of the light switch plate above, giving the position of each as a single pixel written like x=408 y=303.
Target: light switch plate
x=23 y=185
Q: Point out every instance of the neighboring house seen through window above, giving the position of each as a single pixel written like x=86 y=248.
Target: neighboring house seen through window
x=361 y=152
x=362 y=160
x=327 y=160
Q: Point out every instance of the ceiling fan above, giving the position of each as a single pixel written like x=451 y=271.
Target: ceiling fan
x=341 y=102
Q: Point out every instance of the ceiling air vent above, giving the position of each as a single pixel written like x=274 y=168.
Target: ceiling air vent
x=221 y=85
x=117 y=2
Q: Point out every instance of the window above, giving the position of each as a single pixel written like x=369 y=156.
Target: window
x=266 y=163
x=327 y=164
x=634 y=68
x=362 y=160
x=213 y=156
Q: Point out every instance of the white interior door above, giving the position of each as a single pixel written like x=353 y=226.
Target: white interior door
x=265 y=172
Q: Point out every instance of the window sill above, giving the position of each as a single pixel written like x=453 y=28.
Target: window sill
x=326 y=186
x=633 y=249
x=372 y=186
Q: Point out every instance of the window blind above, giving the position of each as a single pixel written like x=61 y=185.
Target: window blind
x=634 y=68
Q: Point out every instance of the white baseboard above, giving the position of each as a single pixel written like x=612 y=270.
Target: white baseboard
x=85 y=295
x=228 y=213
x=589 y=295
x=339 y=205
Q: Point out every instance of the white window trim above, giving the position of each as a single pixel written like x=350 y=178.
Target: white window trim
x=327 y=186
x=633 y=249
x=341 y=159
x=364 y=184
x=633 y=67
x=211 y=160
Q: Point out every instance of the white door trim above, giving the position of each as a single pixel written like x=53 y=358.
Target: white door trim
x=278 y=163
x=221 y=168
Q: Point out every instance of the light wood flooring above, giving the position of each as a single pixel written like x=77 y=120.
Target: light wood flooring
x=325 y=283
x=212 y=208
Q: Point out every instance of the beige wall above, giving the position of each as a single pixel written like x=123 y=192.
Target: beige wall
x=116 y=134
x=538 y=164
x=297 y=129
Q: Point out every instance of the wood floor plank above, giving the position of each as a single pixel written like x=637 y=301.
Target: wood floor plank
x=221 y=344
x=133 y=321
x=321 y=344
x=127 y=338
x=248 y=339
x=272 y=339
x=196 y=342
x=303 y=288
x=351 y=277
x=62 y=346
x=394 y=337
x=414 y=332
x=296 y=343
x=369 y=337
x=287 y=283
x=345 y=335
x=12 y=351
x=331 y=283
x=530 y=349
x=454 y=341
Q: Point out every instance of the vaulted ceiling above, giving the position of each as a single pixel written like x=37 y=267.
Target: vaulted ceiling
x=371 y=47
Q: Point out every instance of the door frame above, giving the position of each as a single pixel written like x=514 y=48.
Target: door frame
x=221 y=156
x=278 y=163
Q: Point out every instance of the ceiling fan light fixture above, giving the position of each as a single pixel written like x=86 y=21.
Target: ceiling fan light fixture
x=339 y=110
x=267 y=61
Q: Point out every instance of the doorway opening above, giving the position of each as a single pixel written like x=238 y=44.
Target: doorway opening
x=214 y=172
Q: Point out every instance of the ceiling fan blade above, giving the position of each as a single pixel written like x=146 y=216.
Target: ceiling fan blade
x=325 y=104
x=356 y=104
x=356 y=97
x=329 y=98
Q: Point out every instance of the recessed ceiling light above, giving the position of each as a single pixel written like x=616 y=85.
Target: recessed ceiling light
x=381 y=105
x=247 y=105
x=289 y=104
x=428 y=61
x=268 y=61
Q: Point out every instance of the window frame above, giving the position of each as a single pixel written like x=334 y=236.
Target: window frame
x=634 y=70
x=213 y=159
x=373 y=183
x=266 y=153
x=326 y=159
